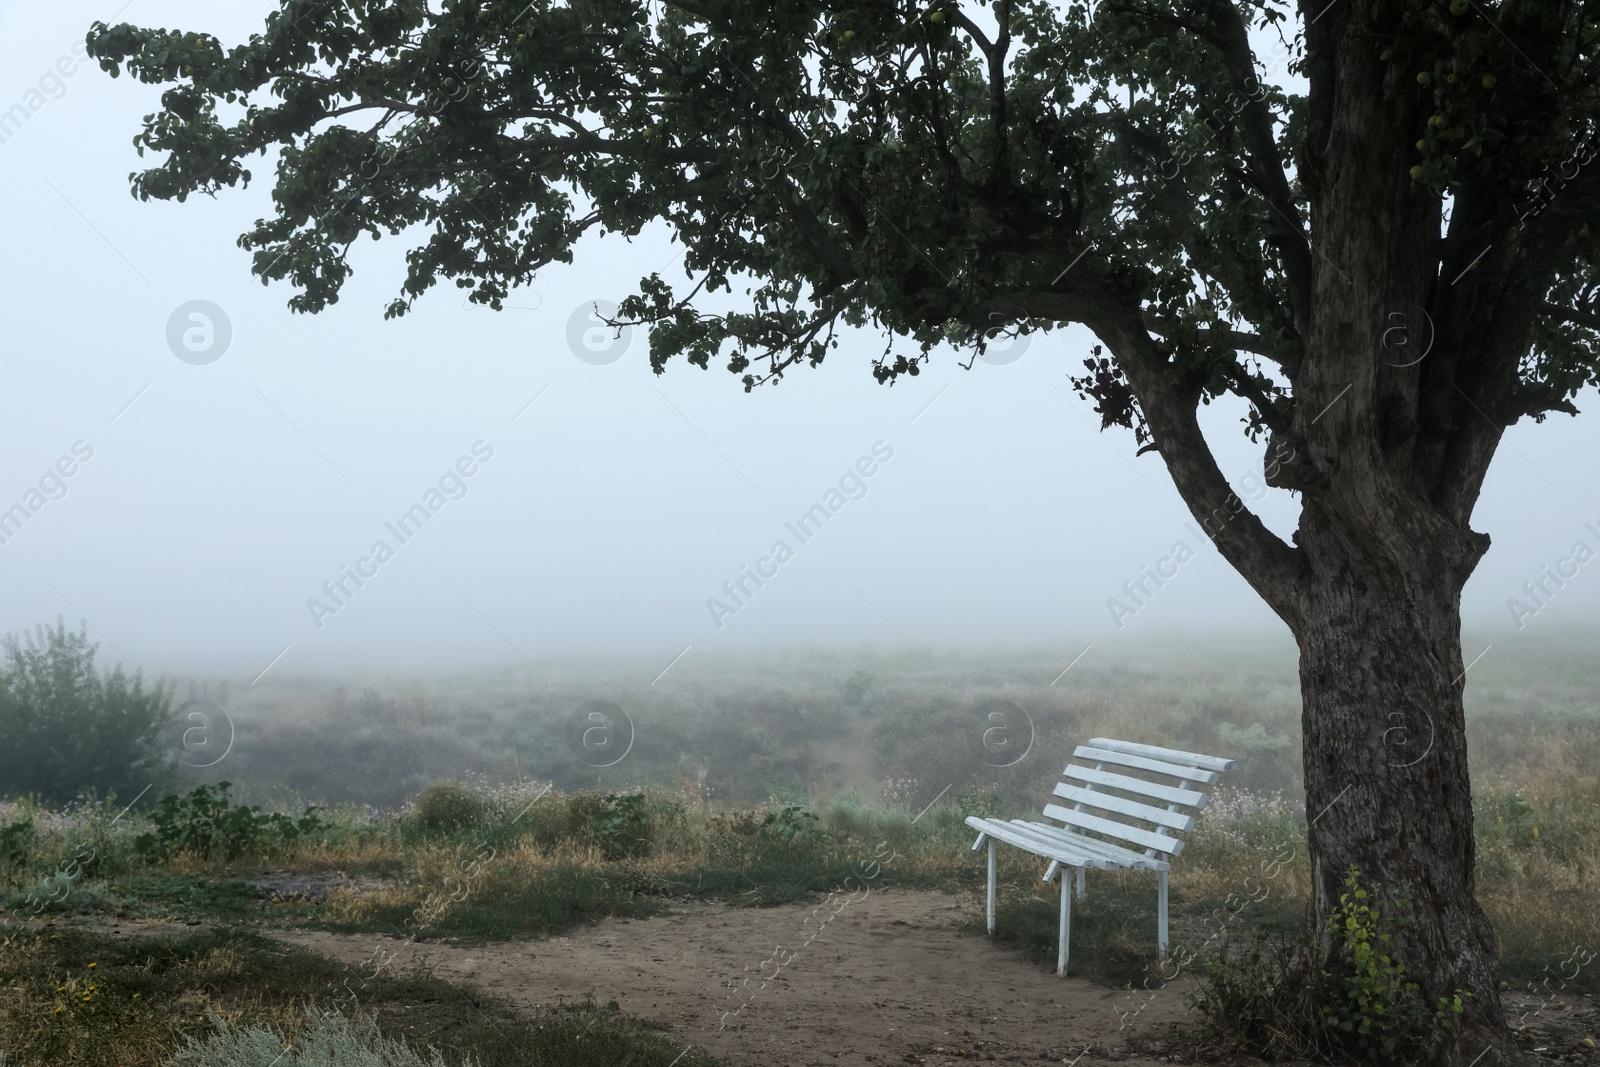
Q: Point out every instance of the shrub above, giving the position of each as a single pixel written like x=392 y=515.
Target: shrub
x=791 y=823
x=1381 y=1014
x=447 y=806
x=16 y=843
x=327 y=1039
x=979 y=802
x=1270 y=1001
x=206 y=823
x=66 y=728
x=1263 y=999
x=621 y=824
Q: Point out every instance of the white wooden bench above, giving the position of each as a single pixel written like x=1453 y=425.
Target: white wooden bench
x=1123 y=820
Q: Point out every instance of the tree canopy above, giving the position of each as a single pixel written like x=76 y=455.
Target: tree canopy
x=1133 y=167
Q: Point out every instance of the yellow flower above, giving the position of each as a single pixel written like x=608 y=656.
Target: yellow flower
x=1536 y=833
x=94 y=965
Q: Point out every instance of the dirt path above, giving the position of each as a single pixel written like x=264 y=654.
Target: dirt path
x=887 y=980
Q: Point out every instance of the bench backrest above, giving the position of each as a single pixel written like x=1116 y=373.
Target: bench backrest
x=1136 y=819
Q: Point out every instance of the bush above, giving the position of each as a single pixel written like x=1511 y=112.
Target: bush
x=791 y=823
x=66 y=729
x=327 y=1039
x=17 y=842
x=1270 y=1001
x=446 y=806
x=620 y=823
x=206 y=823
x=1262 y=1000
x=1380 y=1014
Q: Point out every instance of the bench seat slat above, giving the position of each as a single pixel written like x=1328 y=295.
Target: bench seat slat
x=1170 y=755
x=1144 y=763
x=1108 y=802
x=1024 y=837
x=1111 y=828
x=1121 y=857
x=1169 y=793
x=1060 y=846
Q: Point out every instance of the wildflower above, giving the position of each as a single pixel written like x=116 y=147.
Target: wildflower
x=93 y=965
x=1536 y=833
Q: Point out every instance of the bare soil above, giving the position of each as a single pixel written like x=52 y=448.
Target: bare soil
x=886 y=980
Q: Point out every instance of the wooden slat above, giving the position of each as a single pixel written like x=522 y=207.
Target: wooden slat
x=1120 y=857
x=1170 y=793
x=1111 y=828
x=1079 y=850
x=1028 y=835
x=1170 y=755
x=1107 y=802
x=1144 y=763
x=1023 y=836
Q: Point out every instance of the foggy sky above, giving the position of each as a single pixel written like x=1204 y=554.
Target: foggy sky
x=208 y=504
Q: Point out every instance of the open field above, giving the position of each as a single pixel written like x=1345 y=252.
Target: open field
x=777 y=872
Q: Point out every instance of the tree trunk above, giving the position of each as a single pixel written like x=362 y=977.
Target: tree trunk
x=1386 y=781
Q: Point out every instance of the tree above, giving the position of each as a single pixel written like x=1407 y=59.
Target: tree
x=1389 y=267
x=66 y=729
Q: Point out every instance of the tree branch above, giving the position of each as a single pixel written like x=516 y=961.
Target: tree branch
x=1270 y=566
x=1573 y=315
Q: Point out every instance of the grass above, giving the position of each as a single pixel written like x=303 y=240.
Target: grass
x=77 y=998
x=530 y=870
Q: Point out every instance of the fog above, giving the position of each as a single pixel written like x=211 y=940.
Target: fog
x=575 y=504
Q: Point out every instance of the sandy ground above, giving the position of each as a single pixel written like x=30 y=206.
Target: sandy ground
x=886 y=980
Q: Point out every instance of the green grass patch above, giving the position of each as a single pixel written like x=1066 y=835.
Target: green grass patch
x=184 y=898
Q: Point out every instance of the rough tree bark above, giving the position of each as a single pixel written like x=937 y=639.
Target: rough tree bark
x=1385 y=759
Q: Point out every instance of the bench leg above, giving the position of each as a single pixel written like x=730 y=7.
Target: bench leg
x=991 y=885
x=1066 y=924
x=1161 y=914
x=1080 y=881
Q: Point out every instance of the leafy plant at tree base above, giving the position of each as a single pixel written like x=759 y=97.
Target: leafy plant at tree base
x=206 y=823
x=1383 y=1018
x=1269 y=1000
